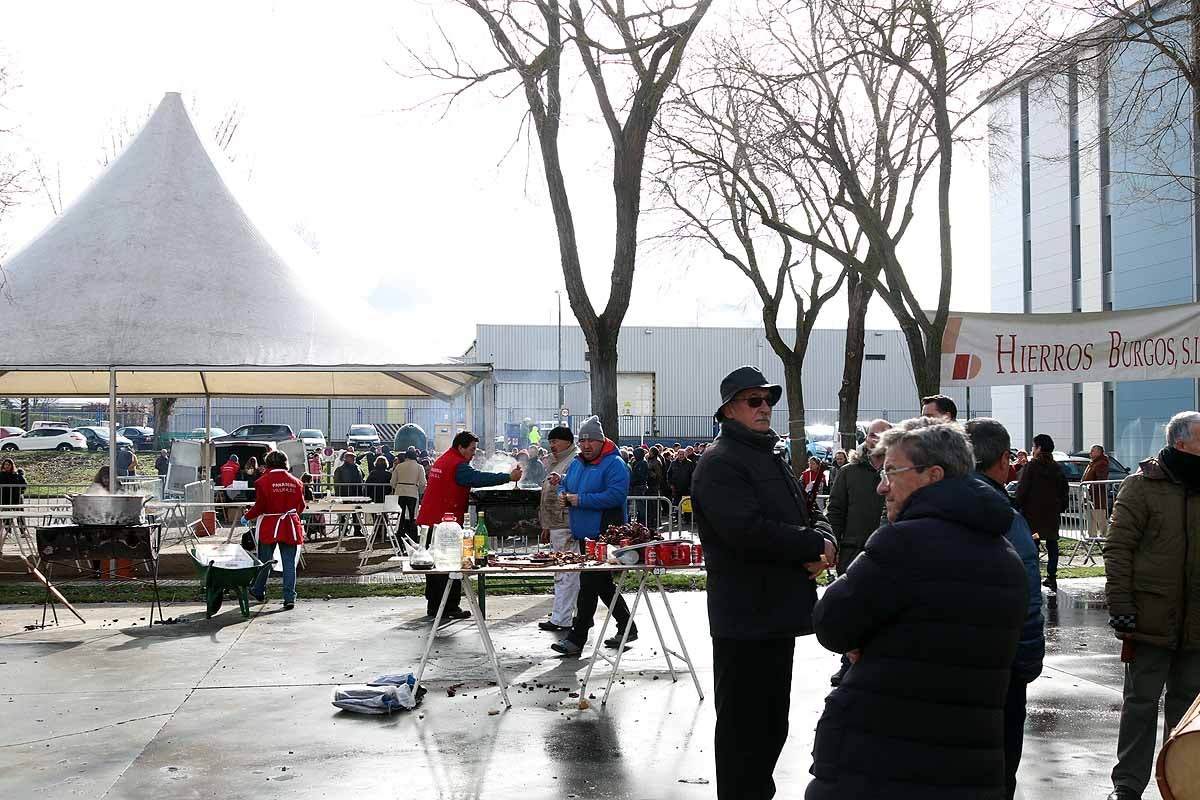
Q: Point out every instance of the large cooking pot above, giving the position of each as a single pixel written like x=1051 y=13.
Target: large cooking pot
x=107 y=509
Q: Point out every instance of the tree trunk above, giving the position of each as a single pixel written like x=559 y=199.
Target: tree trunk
x=603 y=366
x=794 y=390
x=163 y=406
x=858 y=297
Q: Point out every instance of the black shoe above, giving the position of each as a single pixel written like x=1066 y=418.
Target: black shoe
x=550 y=626
x=615 y=641
x=288 y=606
x=458 y=613
x=1121 y=793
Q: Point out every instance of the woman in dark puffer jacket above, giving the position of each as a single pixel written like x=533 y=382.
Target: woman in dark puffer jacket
x=931 y=613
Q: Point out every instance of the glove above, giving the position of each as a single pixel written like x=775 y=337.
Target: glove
x=1123 y=623
x=244 y=521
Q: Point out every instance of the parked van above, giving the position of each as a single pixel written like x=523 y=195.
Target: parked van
x=186 y=456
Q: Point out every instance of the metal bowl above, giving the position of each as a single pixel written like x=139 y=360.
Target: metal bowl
x=107 y=509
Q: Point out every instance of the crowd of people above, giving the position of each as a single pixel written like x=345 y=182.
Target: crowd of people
x=936 y=603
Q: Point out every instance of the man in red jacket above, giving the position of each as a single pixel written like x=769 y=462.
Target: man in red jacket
x=279 y=500
x=448 y=491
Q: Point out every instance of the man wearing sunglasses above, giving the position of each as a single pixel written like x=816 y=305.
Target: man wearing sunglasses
x=762 y=551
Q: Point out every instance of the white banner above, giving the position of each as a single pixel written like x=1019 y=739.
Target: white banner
x=1020 y=349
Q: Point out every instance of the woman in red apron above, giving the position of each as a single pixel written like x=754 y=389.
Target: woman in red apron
x=278 y=503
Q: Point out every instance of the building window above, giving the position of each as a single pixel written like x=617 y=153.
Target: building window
x=874 y=356
x=1026 y=207
x=1077 y=416
x=1106 y=265
x=1109 y=417
x=1028 y=415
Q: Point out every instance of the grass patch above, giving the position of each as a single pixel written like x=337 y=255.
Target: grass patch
x=71 y=471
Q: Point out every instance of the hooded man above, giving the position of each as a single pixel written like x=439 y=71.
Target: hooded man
x=762 y=551
x=596 y=489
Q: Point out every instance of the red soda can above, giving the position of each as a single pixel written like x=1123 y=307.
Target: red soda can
x=683 y=554
x=651 y=555
x=601 y=552
x=591 y=548
x=697 y=553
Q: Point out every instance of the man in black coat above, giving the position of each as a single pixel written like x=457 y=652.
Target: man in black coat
x=931 y=612
x=762 y=552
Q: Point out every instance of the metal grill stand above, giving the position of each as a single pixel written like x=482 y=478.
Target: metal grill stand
x=67 y=545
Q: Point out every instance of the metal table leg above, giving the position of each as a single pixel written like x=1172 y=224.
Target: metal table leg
x=616 y=662
x=686 y=657
x=587 y=676
x=481 y=625
x=437 y=621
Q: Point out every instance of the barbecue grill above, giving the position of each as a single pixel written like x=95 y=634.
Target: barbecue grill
x=65 y=545
x=510 y=511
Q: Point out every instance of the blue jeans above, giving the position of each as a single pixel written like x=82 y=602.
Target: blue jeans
x=287 y=554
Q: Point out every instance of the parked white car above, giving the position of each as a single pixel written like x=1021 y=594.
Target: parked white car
x=363 y=437
x=62 y=439
x=313 y=439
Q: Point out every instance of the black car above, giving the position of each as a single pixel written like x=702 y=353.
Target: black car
x=259 y=433
x=97 y=437
x=141 y=437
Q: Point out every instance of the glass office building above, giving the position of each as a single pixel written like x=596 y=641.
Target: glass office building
x=1092 y=209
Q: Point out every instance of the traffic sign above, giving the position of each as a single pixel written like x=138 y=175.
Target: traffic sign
x=564 y=412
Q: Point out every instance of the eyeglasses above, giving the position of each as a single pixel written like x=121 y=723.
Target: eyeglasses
x=886 y=475
x=755 y=402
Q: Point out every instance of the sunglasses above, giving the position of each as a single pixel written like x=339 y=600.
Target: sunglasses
x=755 y=402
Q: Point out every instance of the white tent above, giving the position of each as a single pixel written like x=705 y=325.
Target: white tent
x=157 y=282
x=159 y=274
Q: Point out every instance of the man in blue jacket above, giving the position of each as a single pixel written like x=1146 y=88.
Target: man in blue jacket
x=596 y=487
x=991 y=443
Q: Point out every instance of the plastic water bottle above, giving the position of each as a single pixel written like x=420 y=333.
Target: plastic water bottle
x=447 y=543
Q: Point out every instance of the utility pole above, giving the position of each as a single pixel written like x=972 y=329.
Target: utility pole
x=561 y=399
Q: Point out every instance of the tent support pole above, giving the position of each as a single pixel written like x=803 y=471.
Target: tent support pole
x=205 y=467
x=114 y=484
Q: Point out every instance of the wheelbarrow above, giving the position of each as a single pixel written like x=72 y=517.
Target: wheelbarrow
x=226 y=567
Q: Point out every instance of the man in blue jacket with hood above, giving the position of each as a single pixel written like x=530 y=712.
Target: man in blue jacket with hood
x=596 y=487
x=991 y=442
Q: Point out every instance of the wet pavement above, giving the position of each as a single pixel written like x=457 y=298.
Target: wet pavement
x=228 y=707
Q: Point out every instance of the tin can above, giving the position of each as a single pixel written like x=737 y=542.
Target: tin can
x=683 y=554
x=591 y=549
x=697 y=553
x=651 y=555
x=601 y=552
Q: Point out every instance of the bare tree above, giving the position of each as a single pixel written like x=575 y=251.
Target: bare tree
x=630 y=54
x=717 y=181
x=11 y=186
x=866 y=102
x=1143 y=58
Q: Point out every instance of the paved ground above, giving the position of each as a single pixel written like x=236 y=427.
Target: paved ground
x=223 y=708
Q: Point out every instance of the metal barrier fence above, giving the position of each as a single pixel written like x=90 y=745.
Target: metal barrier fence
x=1083 y=522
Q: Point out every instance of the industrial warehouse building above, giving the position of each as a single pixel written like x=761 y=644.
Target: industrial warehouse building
x=668 y=379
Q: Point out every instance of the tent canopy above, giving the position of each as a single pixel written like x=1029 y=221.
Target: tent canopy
x=159 y=273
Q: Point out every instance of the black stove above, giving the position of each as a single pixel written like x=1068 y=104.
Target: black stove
x=94 y=542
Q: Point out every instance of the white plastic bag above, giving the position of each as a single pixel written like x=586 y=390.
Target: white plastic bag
x=392 y=693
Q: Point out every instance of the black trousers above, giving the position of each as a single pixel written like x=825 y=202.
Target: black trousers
x=434 y=586
x=752 y=694
x=1014 y=733
x=595 y=586
x=408 y=514
x=1052 y=558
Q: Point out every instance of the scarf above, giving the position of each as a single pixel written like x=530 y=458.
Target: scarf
x=1184 y=467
